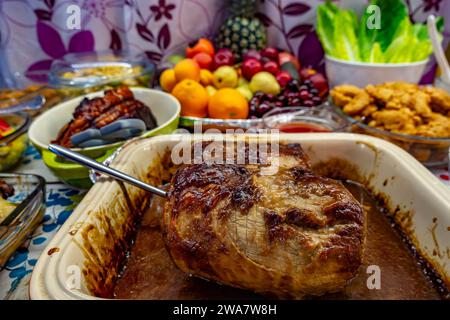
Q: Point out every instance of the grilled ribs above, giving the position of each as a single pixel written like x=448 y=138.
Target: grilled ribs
x=98 y=112
x=287 y=235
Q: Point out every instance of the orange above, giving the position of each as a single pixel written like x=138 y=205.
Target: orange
x=192 y=97
x=167 y=80
x=228 y=103
x=201 y=45
x=187 y=69
x=206 y=77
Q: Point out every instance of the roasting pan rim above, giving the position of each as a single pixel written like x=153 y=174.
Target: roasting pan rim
x=42 y=284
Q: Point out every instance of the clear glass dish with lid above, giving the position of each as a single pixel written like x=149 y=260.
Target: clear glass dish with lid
x=97 y=70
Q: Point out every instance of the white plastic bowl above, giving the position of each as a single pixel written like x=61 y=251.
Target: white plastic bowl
x=362 y=74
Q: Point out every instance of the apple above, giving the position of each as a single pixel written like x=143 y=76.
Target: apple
x=272 y=67
x=250 y=67
x=204 y=60
x=252 y=54
x=306 y=73
x=174 y=59
x=223 y=57
x=270 y=53
x=283 y=78
x=320 y=83
x=284 y=57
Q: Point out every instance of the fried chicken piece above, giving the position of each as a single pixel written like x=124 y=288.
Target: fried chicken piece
x=369 y=110
x=397 y=120
x=440 y=100
x=393 y=95
x=343 y=94
x=401 y=86
x=382 y=95
x=361 y=101
x=438 y=127
x=421 y=104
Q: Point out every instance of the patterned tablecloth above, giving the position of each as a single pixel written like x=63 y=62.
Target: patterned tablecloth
x=61 y=200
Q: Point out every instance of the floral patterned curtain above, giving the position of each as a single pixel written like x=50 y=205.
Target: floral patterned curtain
x=33 y=33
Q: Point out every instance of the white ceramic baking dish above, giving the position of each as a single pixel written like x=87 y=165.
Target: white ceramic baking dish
x=81 y=255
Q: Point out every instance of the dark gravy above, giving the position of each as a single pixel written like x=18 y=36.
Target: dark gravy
x=150 y=273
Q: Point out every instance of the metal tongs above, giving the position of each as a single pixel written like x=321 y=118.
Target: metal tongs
x=99 y=167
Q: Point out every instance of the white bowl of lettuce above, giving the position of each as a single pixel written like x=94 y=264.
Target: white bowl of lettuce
x=382 y=45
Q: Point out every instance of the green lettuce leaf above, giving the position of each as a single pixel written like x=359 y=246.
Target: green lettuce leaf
x=325 y=25
x=345 y=41
x=376 y=54
x=422 y=50
x=397 y=40
x=393 y=12
x=404 y=41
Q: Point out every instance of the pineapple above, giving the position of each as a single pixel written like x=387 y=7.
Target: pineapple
x=242 y=30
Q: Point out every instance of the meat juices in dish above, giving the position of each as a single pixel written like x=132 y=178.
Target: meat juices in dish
x=289 y=234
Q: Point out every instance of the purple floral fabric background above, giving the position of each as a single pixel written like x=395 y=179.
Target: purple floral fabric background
x=33 y=33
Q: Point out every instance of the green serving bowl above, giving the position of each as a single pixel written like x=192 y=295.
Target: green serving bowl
x=45 y=128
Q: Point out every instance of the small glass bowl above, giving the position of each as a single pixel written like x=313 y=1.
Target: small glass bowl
x=431 y=152
x=13 y=145
x=29 y=196
x=98 y=70
x=305 y=119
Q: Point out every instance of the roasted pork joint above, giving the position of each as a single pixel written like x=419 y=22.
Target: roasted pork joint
x=288 y=235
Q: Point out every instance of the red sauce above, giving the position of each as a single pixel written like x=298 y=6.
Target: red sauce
x=301 y=127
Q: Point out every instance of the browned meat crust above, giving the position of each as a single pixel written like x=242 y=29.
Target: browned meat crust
x=289 y=234
x=118 y=103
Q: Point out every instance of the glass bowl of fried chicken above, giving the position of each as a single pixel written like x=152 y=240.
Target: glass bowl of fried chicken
x=416 y=118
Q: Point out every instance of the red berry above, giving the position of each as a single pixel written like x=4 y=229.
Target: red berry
x=304 y=95
x=308 y=103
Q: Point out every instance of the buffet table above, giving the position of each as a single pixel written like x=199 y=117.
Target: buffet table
x=61 y=201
